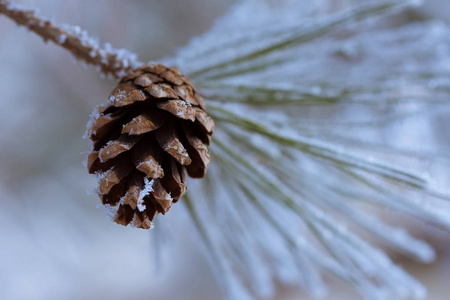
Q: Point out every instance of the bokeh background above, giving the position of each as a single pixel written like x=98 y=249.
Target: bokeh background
x=55 y=243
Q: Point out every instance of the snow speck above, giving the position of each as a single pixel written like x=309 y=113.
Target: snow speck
x=15 y=6
x=169 y=197
x=92 y=118
x=141 y=206
x=62 y=38
x=110 y=211
x=118 y=96
x=122 y=94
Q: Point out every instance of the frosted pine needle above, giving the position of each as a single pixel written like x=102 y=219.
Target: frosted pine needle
x=309 y=115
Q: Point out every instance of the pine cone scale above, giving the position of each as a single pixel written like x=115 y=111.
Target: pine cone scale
x=172 y=77
x=145 y=80
x=109 y=179
x=178 y=108
x=199 y=154
x=161 y=91
x=104 y=123
x=148 y=159
x=169 y=141
x=206 y=124
x=131 y=196
x=113 y=148
x=126 y=94
x=162 y=198
x=143 y=123
x=174 y=178
x=186 y=93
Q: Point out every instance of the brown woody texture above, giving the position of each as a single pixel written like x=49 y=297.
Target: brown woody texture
x=108 y=61
x=153 y=130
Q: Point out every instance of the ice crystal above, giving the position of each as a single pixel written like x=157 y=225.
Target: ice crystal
x=62 y=38
x=148 y=187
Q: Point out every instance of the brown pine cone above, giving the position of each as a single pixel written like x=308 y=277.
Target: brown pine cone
x=153 y=130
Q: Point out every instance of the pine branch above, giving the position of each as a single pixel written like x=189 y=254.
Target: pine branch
x=110 y=61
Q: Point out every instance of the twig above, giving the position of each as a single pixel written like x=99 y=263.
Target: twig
x=116 y=62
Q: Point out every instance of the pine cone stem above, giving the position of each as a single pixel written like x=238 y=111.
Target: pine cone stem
x=115 y=62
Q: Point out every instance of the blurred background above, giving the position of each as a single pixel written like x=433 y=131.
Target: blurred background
x=55 y=243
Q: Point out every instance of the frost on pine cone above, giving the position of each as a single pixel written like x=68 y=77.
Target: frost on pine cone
x=152 y=131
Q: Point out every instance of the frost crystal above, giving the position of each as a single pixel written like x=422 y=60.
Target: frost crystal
x=123 y=57
x=110 y=211
x=15 y=6
x=148 y=187
x=62 y=38
x=140 y=205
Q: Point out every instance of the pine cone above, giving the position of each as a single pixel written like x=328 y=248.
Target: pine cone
x=153 y=130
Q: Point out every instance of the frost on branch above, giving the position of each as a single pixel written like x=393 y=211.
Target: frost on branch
x=115 y=62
